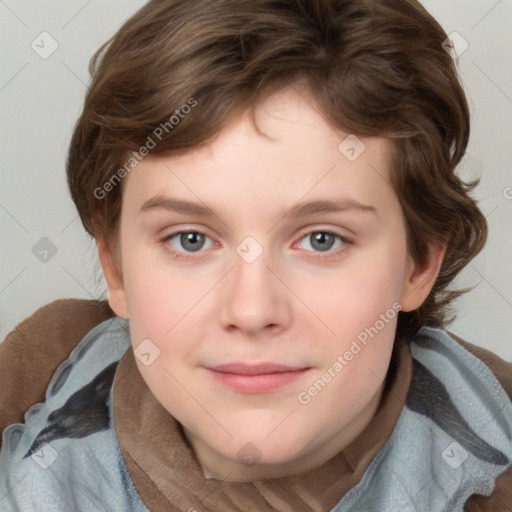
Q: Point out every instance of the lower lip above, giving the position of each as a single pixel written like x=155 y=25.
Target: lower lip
x=262 y=383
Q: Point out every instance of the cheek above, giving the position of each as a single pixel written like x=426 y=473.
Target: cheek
x=359 y=304
x=156 y=294
x=354 y=297
x=163 y=307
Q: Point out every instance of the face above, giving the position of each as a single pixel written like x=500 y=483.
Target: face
x=265 y=274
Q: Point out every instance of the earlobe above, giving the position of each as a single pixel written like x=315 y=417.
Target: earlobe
x=116 y=291
x=420 y=280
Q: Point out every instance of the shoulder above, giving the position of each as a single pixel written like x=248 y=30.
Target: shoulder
x=478 y=367
x=501 y=496
x=31 y=353
x=72 y=430
x=500 y=368
x=457 y=384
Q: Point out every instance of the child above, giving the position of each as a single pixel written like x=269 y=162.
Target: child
x=265 y=372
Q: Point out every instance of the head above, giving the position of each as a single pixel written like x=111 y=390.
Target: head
x=250 y=109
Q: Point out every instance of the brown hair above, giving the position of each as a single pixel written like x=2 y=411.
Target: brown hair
x=374 y=67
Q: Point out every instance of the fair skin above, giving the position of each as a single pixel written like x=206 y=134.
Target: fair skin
x=301 y=303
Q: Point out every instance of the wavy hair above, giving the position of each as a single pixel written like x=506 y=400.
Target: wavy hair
x=374 y=67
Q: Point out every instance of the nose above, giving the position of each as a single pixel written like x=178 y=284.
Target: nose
x=255 y=301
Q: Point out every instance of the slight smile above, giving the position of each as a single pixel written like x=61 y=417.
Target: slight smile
x=255 y=378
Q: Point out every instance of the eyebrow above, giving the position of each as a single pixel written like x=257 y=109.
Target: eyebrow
x=298 y=210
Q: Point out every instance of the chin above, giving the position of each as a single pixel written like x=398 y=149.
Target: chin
x=274 y=449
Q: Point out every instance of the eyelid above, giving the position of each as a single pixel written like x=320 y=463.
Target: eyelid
x=177 y=230
x=324 y=229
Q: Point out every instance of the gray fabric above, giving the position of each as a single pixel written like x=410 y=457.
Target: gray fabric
x=452 y=440
x=88 y=473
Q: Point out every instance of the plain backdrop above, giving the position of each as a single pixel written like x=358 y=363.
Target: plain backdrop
x=45 y=254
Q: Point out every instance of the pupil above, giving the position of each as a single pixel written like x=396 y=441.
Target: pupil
x=192 y=241
x=319 y=241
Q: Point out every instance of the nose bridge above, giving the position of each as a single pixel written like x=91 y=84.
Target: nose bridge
x=255 y=298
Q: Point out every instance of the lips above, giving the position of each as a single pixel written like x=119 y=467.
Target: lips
x=254 y=369
x=255 y=378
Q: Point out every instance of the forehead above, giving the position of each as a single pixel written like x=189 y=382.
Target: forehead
x=298 y=156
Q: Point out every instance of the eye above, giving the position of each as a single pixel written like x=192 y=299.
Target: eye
x=188 y=241
x=182 y=244
x=324 y=242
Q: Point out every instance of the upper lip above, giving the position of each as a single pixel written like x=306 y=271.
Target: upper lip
x=254 y=369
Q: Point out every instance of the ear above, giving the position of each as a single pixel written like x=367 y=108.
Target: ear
x=421 y=279
x=114 y=278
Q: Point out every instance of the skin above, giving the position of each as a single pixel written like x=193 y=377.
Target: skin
x=299 y=303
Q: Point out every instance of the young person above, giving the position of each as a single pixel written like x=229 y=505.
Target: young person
x=271 y=189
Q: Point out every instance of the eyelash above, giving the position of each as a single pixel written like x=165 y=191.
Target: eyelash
x=323 y=256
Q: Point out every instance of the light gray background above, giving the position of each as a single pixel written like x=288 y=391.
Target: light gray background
x=41 y=99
